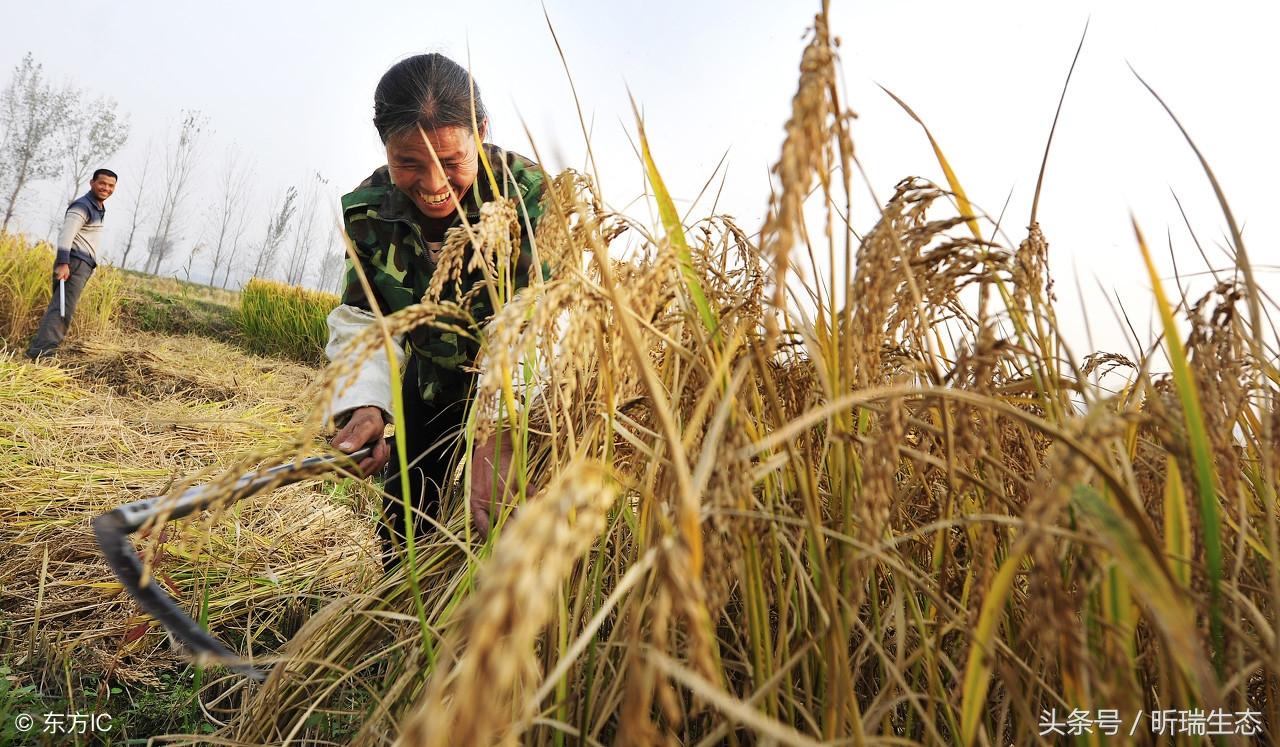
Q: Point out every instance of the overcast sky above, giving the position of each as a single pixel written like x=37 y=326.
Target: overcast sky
x=290 y=83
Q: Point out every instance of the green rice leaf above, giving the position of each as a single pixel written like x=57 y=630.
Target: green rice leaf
x=1198 y=437
x=675 y=234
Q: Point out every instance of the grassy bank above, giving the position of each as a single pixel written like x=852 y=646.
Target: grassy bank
x=173 y=307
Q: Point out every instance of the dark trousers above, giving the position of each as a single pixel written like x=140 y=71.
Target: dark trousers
x=431 y=431
x=54 y=323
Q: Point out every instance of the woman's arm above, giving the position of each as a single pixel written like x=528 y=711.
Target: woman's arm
x=361 y=404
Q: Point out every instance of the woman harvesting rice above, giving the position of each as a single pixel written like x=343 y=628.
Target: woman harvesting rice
x=397 y=219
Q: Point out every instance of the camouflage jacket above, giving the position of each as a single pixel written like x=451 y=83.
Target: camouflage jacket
x=381 y=221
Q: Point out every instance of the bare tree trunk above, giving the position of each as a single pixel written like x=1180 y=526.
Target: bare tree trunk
x=226 y=276
x=13 y=200
x=178 y=169
x=236 y=243
x=331 y=265
x=137 y=206
x=230 y=215
x=20 y=180
x=302 y=242
x=57 y=215
x=277 y=228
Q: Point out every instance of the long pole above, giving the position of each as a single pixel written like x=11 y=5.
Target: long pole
x=62 y=298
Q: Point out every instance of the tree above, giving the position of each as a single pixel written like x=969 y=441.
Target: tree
x=230 y=216
x=94 y=133
x=141 y=187
x=302 y=235
x=158 y=246
x=277 y=228
x=333 y=263
x=180 y=162
x=32 y=111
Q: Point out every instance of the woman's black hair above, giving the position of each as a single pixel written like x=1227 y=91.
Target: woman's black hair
x=427 y=90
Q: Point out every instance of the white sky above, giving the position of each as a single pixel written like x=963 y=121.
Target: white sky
x=291 y=84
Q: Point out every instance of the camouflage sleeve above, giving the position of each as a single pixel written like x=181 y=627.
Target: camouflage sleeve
x=525 y=180
x=364 y=242
x=386 y=266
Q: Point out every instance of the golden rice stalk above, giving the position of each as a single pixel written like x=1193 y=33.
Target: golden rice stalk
x=119 y=419
x=26 y=286
x=814 y=116
x=472 y=701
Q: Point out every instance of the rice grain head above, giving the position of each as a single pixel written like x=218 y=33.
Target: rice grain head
x=465 y=703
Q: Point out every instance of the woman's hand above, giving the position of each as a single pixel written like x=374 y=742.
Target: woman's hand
x=489 y=466
x=62 y=271
x=365 y=425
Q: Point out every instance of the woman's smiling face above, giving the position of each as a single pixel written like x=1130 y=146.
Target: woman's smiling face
x=415 y=172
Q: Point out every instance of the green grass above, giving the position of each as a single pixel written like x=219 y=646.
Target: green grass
x=134 y=712
x=153 y=310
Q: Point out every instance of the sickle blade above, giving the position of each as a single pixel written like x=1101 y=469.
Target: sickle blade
x=127 y=566
x=113 y=528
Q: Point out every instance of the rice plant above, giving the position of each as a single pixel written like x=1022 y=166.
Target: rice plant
x=26 y=274
x=811 y=487
x=753 y=505
x=279 y=319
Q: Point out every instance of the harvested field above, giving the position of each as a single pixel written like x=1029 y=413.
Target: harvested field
x=122 y=418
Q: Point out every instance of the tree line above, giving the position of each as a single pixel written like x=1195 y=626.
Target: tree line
x=58 y=131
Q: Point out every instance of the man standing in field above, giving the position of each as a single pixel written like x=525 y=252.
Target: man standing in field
x=76 y=260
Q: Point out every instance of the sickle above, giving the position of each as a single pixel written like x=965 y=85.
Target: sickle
x=112 y=530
